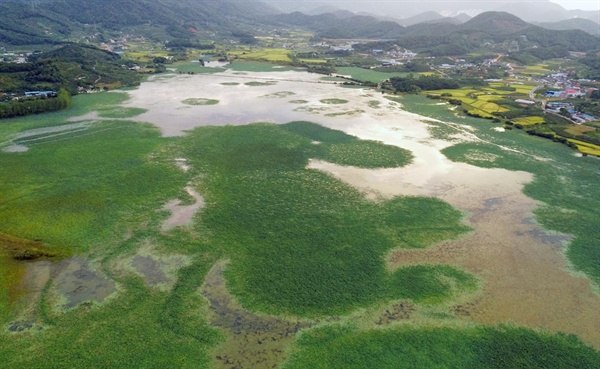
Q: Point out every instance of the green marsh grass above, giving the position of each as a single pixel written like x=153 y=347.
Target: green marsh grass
x=121 y=112
x=300 y=241
x=334 y=101
x=257 y=66
x=368 y=75
x=259 y=84
x=200 y=101
x=81 y=104
x=193 y=67
x=342 y=347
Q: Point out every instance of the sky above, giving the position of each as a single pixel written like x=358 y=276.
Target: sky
x=579 y=4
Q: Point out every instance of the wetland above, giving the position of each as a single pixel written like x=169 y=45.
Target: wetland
x=274 y=219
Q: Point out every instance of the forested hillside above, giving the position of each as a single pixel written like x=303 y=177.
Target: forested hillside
x=49 y=21
x=68 y=67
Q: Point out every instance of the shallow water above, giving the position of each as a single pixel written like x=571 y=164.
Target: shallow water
x=253 y=341
x=182 y=215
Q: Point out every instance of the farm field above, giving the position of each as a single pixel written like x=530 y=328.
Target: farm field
x=482 y=101
x=268 y=55
x=260 y=217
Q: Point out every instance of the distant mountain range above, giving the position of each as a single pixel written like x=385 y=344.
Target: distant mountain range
x=34 y=22
x=441 y=36
x=531 y=11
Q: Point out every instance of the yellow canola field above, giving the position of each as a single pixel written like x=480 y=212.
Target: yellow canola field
x=273 y=55
x=528 y=121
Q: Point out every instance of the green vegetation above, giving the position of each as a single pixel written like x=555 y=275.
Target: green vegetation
x=261 y=201
x=81 y=104
x=68 y=67
x=266 y=55
x=82 y=194
x=259 y=84
x=368 y=75
x=110 y=337
x=90 y=183
x=279 y=95
x=200 y=101
x=257 y=66
x=35 y=105
x=397 y=348
x=334 y=101
x=121 y=112
x=194 y=67
x=410 y=84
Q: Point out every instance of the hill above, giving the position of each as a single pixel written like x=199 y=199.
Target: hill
x=50 y=21
x=70 y=66
x=582 y=24
x=495 y=23
x=492 y=31
x=330 y=26
x=428 y=17
x=529 y=10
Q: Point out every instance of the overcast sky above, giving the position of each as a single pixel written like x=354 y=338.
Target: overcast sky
x=579 y=4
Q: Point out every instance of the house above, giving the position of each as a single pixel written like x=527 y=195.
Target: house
x=554 y=94
x=40 y=94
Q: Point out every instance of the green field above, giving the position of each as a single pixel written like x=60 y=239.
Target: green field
x=200 y=101
x=485 y=101
x=267 y=55
x=368 y=75
x=194 y=67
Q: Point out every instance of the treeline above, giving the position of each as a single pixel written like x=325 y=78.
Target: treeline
x=411 y=85
x=191 y=43
x=17 y=108
x=69 y=67
x=592 y=61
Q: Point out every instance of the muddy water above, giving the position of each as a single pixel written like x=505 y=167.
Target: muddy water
x=253 y=341
x=525 y=277
x=182 y=215
x=238 y=105
x=72 y=281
